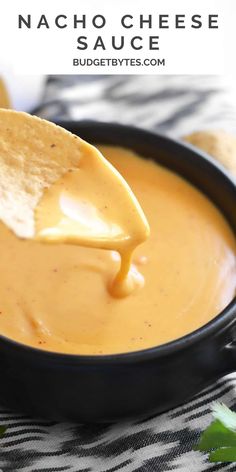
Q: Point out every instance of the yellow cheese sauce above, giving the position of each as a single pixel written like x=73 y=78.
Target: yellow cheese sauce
x=55 y=296
x=93 y=206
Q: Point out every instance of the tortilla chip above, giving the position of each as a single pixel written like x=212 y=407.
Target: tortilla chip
x=219 y=144
x=34 y=153
x=4 y=97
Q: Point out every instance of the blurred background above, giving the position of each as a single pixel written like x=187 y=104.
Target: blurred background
x=173 y=105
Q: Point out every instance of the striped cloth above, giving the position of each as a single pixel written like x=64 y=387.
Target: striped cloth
x=173 y=105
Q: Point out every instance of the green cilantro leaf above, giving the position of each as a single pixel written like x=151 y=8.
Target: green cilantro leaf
x=215 y=436
x=219 y=439
x=2 y=430
x=223 y=454
x=222 y=413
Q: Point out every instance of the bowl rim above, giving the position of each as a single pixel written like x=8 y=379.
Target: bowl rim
x=223 y=320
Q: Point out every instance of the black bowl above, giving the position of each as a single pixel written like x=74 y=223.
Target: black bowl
x=114 y=387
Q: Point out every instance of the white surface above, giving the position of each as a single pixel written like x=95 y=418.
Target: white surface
x=52 y=50
x=25 y=91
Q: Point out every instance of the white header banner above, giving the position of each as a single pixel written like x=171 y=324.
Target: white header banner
x=124 y=37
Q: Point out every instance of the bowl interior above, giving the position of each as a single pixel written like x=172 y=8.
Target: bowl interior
x=194 y=165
